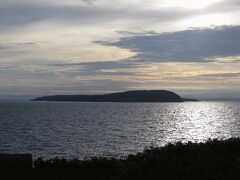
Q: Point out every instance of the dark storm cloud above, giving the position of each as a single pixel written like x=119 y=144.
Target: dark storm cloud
x=198 y=45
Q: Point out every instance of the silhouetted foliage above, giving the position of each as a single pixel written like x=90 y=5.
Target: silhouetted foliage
x=215 y=160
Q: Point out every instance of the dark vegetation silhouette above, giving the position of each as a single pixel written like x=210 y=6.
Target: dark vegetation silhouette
x=215 y=160
x=128 y=96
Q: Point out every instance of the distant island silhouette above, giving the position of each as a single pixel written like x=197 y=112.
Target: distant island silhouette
x=128 y=96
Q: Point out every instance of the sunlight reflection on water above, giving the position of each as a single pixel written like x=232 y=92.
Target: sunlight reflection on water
x=198 y=122
x=90 y=129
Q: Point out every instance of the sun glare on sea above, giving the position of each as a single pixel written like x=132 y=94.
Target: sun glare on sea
x=192 y=121
x=202 y=121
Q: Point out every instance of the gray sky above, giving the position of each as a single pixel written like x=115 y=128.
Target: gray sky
x=97 y=46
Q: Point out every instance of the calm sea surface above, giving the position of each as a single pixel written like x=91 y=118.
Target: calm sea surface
x=49 y=129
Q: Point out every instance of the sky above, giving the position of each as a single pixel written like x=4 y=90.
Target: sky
x=51 y=47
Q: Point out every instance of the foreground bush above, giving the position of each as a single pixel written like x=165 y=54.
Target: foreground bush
x=215 y=159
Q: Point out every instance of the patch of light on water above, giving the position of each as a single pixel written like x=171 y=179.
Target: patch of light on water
x=111 y=129
x=195 y=122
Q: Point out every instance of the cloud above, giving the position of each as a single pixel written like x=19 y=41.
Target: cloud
x=70 y=27
x=223 y=6
x=17 y=45
x=21 y=14
x=63 y=79
x=197 y=45
x=102 y=77
x=91 y=2
x=17 y=13
x=221 y=75
x=29 y=12
x=99 y=69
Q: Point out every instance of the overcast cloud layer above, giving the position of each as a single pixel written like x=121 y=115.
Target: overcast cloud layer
x=97 y=46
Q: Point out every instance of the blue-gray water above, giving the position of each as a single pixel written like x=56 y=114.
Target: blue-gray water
x=49 y=129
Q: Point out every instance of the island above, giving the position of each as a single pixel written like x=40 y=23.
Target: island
x=189 y=100
x=128 y=96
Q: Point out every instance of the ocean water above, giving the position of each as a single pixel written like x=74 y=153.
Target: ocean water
x=70 y=129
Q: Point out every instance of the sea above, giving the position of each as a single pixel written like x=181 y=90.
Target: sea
x=84 y=130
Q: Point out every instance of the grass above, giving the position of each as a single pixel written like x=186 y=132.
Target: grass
x=215 y=159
